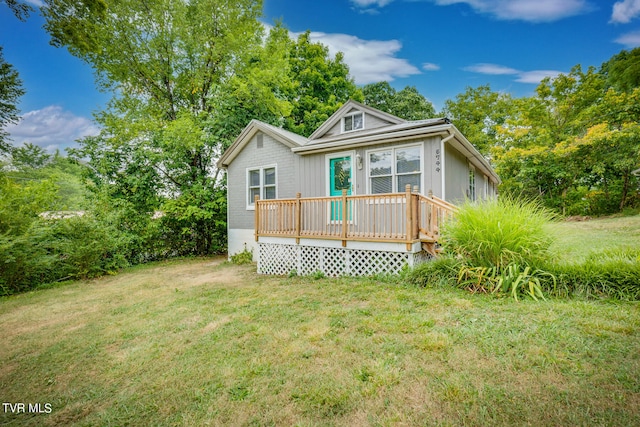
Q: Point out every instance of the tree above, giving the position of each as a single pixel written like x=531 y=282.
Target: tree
x=479 y=113
x=622 y=71
x=171 y=65
x=320 y=85
x=20 y=10
x=407 y=103
x=10 y=92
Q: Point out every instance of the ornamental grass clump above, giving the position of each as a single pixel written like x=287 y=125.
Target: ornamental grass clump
x=499 y=232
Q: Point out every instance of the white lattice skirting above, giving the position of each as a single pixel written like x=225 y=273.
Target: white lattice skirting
x=282 y=259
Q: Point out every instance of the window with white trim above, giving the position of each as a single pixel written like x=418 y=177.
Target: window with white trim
x=391 y=169
x=472 y=184
x=353 y=121
x=261 y=182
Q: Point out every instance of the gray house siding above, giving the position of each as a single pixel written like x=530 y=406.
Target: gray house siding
x=457 y=175
x=271 y=153
x=370 y=122
x=312 y=173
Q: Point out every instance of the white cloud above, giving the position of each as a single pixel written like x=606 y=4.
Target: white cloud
x=492 y=69
x=624 y=11
x=525 y=10
x=36 y=3
x=534 y=76
x=369 y=61
x=429 y=66
x=630 y=40
x=370 y=3
x=51 y=128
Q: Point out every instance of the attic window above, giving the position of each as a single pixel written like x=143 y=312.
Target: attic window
x=353 y=122
x=259 y=140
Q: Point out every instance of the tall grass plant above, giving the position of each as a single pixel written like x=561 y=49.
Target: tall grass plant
x=499 y=232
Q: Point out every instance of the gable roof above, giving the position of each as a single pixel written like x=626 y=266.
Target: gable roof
x=290 y=139
x=398 y=130
x=346 y=107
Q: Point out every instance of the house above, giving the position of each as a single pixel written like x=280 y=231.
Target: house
x=364 y=194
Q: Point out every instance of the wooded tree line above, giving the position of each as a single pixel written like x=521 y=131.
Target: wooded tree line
x=187 y=76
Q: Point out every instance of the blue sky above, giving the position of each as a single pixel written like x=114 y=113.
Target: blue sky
x=439 y=46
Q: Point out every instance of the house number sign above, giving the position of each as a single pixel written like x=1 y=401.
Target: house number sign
x=437 y=160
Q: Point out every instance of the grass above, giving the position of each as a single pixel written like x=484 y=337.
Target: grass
x=205 y=342
x=577 y=240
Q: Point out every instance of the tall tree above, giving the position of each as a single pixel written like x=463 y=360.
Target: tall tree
x=622 y=71
x=10 y=92
x=168 y=63
x=407 y=103
x=321 y=84
x=479 y=113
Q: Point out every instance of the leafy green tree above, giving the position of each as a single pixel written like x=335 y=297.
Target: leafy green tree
x=10 y=92
x=407 y=103
x=622 y=71
x=171 y=65
x=320 y=85
x=29 y=156
x=479 y=113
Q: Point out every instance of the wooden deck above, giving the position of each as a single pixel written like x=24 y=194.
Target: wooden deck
x=406 y=217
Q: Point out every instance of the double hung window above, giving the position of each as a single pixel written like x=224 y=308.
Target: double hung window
x=352 y=122
x=391 y=169
x=261 y=182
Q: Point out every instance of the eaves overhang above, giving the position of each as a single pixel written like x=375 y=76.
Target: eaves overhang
x=381 y=137
x=287 y=138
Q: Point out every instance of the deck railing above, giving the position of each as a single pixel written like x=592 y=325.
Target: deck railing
x=394 y=217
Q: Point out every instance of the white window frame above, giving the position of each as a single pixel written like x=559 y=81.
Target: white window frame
x=250 y=203
x=394 y=166
x=473 y=196
x=352 y=114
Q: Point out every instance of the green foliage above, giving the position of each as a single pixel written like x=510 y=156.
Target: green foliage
x=609 y=274
x=441 y=271
x=21 y=201
x=407 y=103
x=499 y=232
x=244 y=257
x=479 y=113
x=320 y=85
x=622 y=70
x=511 y=280
x=10 y=92
x=60 y=249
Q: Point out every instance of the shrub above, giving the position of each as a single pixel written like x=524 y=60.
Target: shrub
x=438 y=272
x=511 y=280
x=244 y=257
x=53 y=250
x=610 y=274
x=499 y=232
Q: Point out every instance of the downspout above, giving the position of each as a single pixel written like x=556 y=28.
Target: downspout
x=442 y=141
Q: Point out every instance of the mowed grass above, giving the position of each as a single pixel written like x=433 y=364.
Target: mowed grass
x=575 y=241
x=205 y=342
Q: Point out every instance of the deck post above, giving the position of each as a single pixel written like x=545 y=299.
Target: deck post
x=415 y=212
x=298 y=217
x=256 y=215
x=345 y=224
x=409 y=212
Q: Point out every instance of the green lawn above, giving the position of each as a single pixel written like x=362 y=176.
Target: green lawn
x=575 y=241
x=209 y=343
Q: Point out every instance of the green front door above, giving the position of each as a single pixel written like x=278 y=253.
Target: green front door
x=340 y=177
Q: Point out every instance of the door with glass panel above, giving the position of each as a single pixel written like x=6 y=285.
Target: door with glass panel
x=340 y=178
